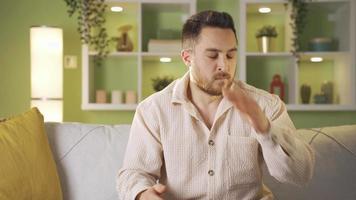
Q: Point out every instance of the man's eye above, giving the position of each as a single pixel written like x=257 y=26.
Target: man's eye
x=213 y=56
x=230 y=56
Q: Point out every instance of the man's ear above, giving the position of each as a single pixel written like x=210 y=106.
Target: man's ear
x=186 y=55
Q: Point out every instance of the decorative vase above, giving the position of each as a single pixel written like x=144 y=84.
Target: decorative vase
x=265 y=44
x=320 y=99
x=327 y=89
x=322 y=44
x=100 y=96
x=130 y=97
x=124 y=42
x=277 y=86
x=116 y=97
x=305 y=92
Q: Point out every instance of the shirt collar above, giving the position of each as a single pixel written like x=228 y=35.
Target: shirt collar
x=179 y=95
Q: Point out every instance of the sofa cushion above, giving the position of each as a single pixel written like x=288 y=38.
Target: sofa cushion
x=335 y=166
x=88 y=158
x=27 y=169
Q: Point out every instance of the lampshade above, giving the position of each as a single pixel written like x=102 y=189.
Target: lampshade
x=46 y=71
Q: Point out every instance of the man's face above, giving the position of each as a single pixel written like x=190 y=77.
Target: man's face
x=213 y=60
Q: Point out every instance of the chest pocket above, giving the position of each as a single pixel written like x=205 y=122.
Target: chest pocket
x=243 y=161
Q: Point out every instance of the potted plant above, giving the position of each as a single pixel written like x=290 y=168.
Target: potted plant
x=264 y=36
x=91 y=21
x=159 y=83
x=298 y=13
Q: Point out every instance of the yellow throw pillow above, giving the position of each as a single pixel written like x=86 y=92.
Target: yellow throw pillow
x=27 y=168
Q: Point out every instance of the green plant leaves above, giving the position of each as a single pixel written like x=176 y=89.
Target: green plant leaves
x=269 y=31
x=159 y=83
x=298 y=14
x=91 y=21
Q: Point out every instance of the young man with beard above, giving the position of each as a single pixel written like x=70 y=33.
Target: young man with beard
x=206 y=135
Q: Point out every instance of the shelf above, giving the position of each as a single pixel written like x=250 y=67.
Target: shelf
x=328 y=19
x=133 y=71
x=331 y=55
x=335 y=68
x=271 y=54
x=163 y=20
x=330 y=1
x=115 y=20
x=261 y=69
x=304 y=55
x=115 y=73
x=155 y=57
x=116 y=2
x=160 y=54
x=333 y=19
x=117 y=54
x=277 y=7
x=166 y=6
x=278 y=17
x=108 y=106
x=153 y=68
x=320 y=107
x=146 y=54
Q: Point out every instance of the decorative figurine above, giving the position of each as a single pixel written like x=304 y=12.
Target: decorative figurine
x=124 y=43
x=327 y=89
x=277 y=86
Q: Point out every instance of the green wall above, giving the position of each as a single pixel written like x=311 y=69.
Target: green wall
x=15 y=19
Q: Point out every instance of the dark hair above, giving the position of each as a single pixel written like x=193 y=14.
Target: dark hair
x=193 y=26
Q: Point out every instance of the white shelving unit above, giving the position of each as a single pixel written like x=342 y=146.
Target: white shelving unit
x=181 y=9
x=338 y=66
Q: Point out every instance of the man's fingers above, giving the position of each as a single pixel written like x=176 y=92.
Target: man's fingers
x=229 y=94
x=152 y=193
x=233 y=92
x=159 y=188
x=240 y=99
x=152 y=196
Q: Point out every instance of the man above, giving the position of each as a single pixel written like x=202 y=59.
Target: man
x=206 y=136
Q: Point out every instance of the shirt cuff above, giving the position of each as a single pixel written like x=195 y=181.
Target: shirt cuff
x=137 y=189
x=265 y=137
x=270 y=141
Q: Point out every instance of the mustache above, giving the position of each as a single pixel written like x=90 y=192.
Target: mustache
x=221 y=75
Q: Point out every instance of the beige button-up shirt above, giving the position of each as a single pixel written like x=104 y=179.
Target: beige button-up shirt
x=170 y=143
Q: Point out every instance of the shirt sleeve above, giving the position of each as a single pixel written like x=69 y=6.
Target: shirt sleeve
x=288 y=158
x=143 y=157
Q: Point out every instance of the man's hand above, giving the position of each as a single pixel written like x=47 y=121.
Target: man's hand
x=248 y=107
x=152 y=193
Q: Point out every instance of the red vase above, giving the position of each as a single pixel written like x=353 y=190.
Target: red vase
x=277 y=86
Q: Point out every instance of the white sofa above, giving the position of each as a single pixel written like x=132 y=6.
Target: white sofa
x=89 y=156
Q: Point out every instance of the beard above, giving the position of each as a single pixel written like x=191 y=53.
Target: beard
x=215 y=85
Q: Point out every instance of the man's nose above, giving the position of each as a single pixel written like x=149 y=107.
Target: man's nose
x=222 y=64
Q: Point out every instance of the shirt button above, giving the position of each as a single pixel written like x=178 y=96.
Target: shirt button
x=211 y=172
x=211 y=143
